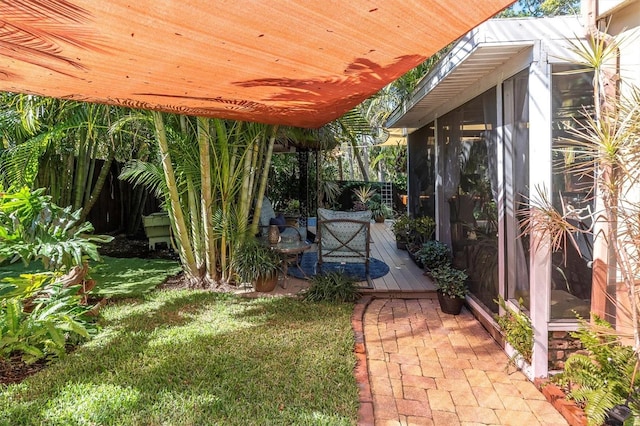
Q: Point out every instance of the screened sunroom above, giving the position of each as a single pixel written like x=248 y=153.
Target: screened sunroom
x=487 y=133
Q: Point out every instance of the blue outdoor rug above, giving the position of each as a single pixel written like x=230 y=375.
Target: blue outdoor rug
x=309 y=264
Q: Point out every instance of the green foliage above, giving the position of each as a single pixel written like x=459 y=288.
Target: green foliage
x=600 y=376
x=328 y=187
x=284 y=180
x=420 y=230
x=415 y=231
x=379 y=209
x=332 y=287
x=292 y=206
x=540 y=8
x=400 y=182
x=434 y=254
x=253 y=259
x=39 y=316
x=450 y=281
x=41 y=326
x=517 y=330
x=363 y=195
x=32 y=227
x=400 y=227
x=22 y=286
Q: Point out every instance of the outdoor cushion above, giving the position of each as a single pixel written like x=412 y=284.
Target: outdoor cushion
x=280 y=221
x=343 y=240
x=326 y=214
x=267 y=213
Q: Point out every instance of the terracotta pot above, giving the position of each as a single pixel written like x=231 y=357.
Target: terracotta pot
x=379 y=219
x=265 y=284
x=450 y=305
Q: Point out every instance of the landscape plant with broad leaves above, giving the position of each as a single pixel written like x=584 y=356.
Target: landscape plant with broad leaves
x=42 y=314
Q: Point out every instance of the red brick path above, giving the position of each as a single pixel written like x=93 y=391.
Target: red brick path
x=418 y=366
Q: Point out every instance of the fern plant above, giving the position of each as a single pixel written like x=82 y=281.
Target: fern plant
x=601 y=375
x=42 y=328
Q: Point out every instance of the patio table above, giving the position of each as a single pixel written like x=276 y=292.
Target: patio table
x=289 y=251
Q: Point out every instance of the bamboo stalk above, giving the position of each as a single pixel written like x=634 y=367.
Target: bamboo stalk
x=180 y=227
x=263 y=181
x=97 y=188
x=206 y=202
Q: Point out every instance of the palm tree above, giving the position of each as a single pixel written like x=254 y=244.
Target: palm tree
x=207 y=177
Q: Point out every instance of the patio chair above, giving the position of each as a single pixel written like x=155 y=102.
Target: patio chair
x=268 y=217
x=344 y=237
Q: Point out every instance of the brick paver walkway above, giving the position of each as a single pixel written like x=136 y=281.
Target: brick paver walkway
x=430 y=368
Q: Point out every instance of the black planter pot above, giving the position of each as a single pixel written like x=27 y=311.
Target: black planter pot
x=413 y=257
x=450 y=305
x=401 y=244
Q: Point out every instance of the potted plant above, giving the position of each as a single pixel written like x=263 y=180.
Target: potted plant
x=379 y=211
x=258 y=264
x=400 y=229
x=363 y=195
x=420 y=231
x=451 y=286
x=433 y=254
x=291 y=212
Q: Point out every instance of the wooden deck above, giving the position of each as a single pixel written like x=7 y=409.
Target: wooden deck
x=404 y=279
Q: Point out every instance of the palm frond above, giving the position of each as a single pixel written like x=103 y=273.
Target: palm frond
x=149 y=175
x=19 y=164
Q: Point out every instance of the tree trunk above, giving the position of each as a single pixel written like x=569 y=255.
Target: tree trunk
x=97 y=188
x=263 y=181
x=180 y=227
x=206 y=202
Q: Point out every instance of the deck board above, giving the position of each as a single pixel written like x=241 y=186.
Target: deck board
x=404 y=274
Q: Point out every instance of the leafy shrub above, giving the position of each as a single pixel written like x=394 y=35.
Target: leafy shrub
x=517 y=330
x=40 y=314
x=379 y=209
x=601 y=375
x=253 y=259
x=434 y=254
x=450 y=281
x=421 y=229
x=400 y=227
x=32 y=227
x=43 y=326
x=332 y=287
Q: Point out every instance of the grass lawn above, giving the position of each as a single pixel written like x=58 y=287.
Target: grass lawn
x=199 y=358
x=115 y=277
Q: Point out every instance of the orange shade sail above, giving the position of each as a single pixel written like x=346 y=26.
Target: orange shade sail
x=298 y=63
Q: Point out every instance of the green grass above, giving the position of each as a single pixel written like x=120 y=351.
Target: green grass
x=115 y=277
x=199 y=358
x=133 y=277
